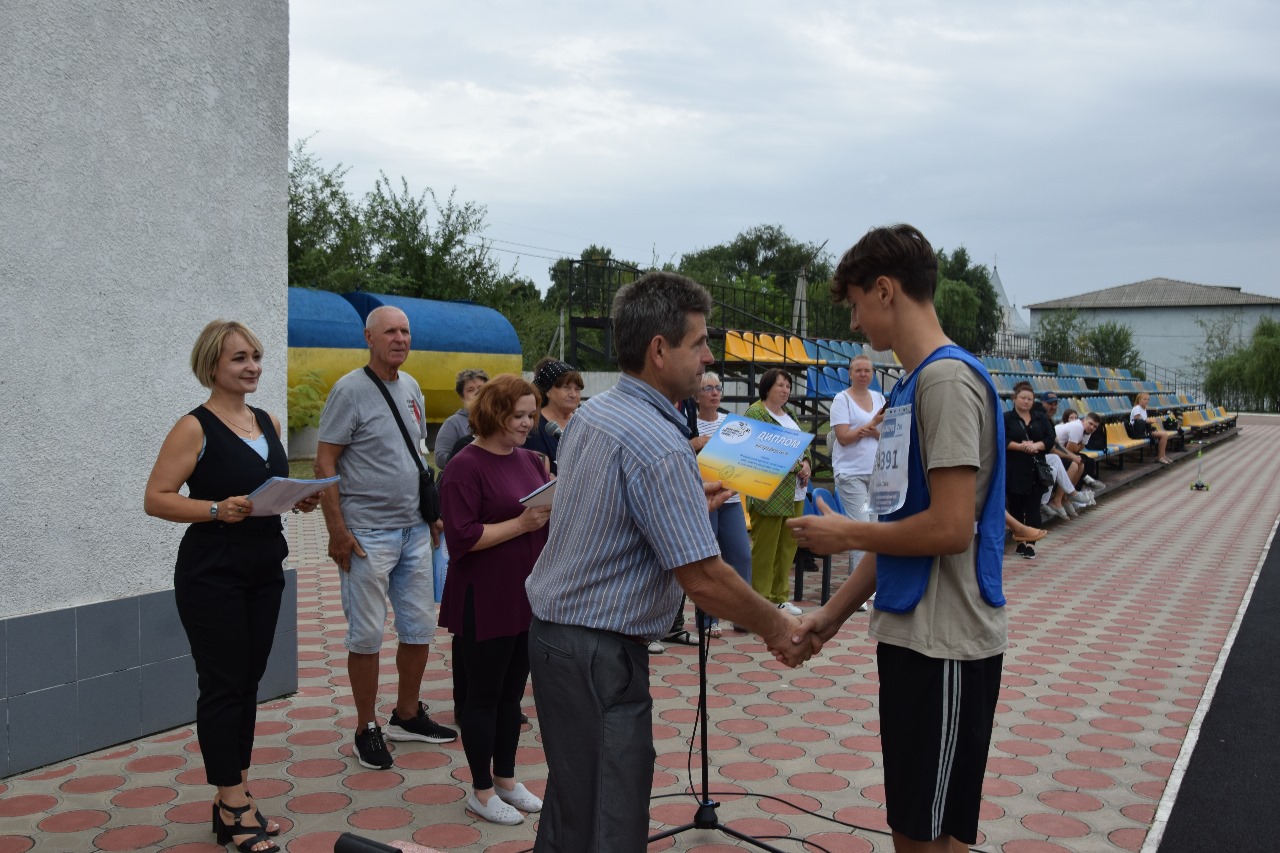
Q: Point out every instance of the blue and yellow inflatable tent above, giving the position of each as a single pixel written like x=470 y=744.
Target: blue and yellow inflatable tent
x=326 y=334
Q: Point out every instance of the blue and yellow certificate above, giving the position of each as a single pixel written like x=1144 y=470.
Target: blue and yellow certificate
x=750 y=456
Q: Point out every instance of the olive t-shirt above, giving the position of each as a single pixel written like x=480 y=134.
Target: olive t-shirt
x=955 y=423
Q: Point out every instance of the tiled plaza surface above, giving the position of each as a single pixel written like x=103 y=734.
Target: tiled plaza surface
x=1114 y=631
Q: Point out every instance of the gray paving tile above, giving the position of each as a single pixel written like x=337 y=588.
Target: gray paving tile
x=160 y=629
x=41 y=651
x=168 y=692
x=33 y=742
x=107 y=637
x=110 y=710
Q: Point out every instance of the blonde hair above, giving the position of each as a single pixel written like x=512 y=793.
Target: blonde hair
x=208 y=348
x=862 y=356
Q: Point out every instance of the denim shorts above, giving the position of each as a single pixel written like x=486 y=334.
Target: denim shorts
x=397 y=566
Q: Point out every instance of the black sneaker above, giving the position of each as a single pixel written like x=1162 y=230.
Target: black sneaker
x=372 y=750
x=420 y=727
x=1028 y=552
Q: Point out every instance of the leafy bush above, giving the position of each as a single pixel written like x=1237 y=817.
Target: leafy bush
x=306 y=401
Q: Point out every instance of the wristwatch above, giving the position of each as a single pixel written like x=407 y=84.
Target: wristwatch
x=213 y=510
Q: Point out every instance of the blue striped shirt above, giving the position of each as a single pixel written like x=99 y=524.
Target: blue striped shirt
x=629 y=508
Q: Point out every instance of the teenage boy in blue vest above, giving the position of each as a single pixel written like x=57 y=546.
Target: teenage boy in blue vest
x=934 y=558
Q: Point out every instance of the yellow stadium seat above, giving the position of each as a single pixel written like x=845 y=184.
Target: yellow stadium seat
x=735 y=347
x=796 y=351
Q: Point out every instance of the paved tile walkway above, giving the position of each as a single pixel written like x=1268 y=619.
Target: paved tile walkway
x=1116 y=628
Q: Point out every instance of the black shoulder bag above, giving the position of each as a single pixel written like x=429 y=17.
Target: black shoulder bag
x=428 y=496
x=1044 y=471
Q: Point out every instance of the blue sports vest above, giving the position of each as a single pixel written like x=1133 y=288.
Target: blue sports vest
x=901 y=581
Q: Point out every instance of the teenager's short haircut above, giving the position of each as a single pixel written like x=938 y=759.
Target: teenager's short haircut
x=208 y=348
x=769 y=379
x=496 y=400
x=1095 y=417
x=1023 y=386
x=898 y=251
x=657 y=303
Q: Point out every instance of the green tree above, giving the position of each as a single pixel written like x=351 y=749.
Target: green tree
x=1222 y=337
x=327 y=248
x=591 y=278
x=1056 y=336
x=957 y=267
x=391 y=241
x=1110 y=344
x=958 y=307
x=753 y=278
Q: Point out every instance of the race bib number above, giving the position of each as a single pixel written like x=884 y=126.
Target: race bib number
x=889 y=479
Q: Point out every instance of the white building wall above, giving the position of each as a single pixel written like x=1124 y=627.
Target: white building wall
x=143 y=153
x=1170 y=337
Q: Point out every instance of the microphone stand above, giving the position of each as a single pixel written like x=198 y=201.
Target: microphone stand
x=705 y=817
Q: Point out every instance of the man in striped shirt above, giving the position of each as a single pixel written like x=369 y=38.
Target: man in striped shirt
x=629 y=530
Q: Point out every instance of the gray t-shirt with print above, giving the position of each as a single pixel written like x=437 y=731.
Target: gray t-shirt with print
x=379 y=485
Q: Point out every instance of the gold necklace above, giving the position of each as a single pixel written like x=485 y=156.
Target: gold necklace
x=252 y=420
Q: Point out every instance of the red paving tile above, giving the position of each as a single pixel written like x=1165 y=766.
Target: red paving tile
x=1108 y=659
x=130 y=838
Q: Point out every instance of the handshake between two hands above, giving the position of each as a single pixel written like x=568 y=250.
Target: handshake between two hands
x=803 y=637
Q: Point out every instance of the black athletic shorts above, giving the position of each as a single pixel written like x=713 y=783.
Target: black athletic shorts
x=935 y=730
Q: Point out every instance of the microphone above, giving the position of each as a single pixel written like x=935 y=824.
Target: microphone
x=553 y=429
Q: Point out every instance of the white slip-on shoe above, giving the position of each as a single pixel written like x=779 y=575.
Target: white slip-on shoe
x=520 y=797
x=495 y=811
x=790 y=608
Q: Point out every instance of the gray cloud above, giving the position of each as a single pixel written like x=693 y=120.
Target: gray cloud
x=1084 y=145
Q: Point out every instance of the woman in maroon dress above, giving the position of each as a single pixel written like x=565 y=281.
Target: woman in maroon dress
x=493 y=542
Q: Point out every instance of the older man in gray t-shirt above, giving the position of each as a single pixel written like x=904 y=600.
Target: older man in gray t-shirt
x=377 y=535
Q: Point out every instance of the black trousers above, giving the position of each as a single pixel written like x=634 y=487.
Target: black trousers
x=489 y=677
x=1024 y=508
x=228 y=591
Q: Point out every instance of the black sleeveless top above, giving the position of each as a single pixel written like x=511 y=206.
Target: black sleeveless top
x=229 y=466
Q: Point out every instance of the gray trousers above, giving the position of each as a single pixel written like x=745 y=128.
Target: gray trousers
x=596 y=717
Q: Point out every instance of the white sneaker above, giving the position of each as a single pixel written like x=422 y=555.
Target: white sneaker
x=656 y=648
x=1096 y=485
x=496 y=811
x=1079 y=498
x=790 y=608
x=520 y=797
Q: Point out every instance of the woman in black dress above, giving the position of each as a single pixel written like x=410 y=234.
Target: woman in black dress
x=229 y=574
x=1029 y=436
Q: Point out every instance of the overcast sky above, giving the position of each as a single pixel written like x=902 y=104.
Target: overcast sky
x=1074 y=145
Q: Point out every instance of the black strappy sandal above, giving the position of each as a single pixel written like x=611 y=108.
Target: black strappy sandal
x=257 y=834
x=263 y=820
x=681 y=638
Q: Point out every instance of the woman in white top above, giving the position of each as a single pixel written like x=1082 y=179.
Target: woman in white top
x=853 y=455
x=727 y=521
x=1139 y=414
